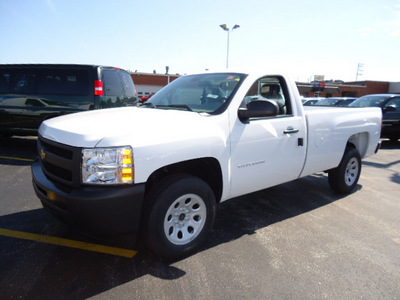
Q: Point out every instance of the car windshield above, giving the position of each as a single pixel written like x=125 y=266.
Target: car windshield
x=203 y=93
x=369 y=101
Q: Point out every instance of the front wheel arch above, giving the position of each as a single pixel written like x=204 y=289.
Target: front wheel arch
x=205 y=168
x=179 y=214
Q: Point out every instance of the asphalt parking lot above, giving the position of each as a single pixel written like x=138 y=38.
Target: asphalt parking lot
x=295 y=241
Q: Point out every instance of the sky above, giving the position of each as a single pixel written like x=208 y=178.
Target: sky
x=302 y=38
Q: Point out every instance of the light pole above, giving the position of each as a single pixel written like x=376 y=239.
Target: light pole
x=224 y=27
x=360 y=69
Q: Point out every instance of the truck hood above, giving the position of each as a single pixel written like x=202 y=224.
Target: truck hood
x=119 y=126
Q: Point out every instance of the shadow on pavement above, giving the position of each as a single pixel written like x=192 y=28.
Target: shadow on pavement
x=19 y=151
x=387 y=145
x=35 y=270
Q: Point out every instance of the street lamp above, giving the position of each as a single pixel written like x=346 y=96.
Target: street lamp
x=224 y=27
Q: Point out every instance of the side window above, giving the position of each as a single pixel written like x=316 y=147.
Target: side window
x=270 y=88
x=127 y=84
x=34 y=102
x=46 y=81
x=4 y=82
x=24 y=82
x=112 y=83
x=395 y=103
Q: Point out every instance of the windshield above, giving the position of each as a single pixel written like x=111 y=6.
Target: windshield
x=369 y=101
x=209 y=93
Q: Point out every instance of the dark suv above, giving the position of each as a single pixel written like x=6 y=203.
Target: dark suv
x=390 y=105
x=32 y=93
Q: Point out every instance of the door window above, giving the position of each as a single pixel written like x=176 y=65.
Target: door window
x=395 y=103
x=270 y=88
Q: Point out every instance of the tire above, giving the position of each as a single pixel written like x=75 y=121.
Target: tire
x=180 y=214
x=344 y=178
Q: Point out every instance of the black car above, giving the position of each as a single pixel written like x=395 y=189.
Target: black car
x=390 y=105
x=30 y=94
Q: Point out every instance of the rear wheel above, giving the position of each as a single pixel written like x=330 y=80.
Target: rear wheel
x=180 y=215
x=344 y=178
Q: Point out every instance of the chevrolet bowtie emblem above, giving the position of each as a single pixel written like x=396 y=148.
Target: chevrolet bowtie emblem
x=42 y=154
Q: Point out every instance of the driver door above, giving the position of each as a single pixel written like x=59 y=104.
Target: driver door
x=267 y=151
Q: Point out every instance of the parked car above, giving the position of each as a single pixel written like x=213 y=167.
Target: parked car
x=308 y=101
x=30 y=94
x=390 y=105
x=145 y=98
x=336 y=101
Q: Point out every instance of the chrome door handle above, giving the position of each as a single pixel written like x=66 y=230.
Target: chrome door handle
x=290 y=130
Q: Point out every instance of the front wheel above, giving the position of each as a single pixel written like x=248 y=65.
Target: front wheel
x=180 y=214
x=344 y=178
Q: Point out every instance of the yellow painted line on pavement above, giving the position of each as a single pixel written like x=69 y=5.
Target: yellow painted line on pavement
x=68 y=243
x=17 y=158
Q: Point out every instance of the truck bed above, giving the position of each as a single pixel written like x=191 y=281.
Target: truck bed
x=329 y=129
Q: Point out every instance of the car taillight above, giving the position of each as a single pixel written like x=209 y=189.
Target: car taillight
x=98 y=88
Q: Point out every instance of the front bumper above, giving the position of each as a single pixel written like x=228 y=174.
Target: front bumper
x=95 y=210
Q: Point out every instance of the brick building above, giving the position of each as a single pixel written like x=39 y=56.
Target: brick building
x=150 y=83
x=347 y=89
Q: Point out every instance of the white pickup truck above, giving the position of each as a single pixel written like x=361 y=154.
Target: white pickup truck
x=162 y=168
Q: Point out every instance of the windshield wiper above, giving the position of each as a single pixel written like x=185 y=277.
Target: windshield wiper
x=176 y=106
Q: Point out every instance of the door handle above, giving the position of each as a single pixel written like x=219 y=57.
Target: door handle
x=290 y=130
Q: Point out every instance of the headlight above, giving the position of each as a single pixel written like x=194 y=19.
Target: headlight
x=107 y=165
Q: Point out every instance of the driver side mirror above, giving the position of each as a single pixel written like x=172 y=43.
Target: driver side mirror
x=258 y=109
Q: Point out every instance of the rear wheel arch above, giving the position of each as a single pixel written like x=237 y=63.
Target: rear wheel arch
x=359 y=141
x=344 y=178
